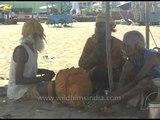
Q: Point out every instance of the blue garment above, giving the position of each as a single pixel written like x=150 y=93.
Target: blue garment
x=138 y=64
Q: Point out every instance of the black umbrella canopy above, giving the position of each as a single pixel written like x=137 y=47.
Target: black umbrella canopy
x=124 y=5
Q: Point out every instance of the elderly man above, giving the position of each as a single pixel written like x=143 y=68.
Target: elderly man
x=93 y=57
x=23 y=79
x=140 y=60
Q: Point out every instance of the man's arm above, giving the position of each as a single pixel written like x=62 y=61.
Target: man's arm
x=151 y=61
x=83 y=61
x=91 y=54
x=43 y=71
x=20 y=56
x=127 y=68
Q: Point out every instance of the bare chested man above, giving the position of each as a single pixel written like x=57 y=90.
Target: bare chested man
x=94 y=57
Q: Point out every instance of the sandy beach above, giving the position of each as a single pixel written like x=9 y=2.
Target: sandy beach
x=64 y=46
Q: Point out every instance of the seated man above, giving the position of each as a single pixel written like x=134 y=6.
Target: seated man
x=94 y=57
x=146 y=62
x=23 y=79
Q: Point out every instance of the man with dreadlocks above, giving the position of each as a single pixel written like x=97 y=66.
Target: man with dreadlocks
x=23 y=79
x=93 y=57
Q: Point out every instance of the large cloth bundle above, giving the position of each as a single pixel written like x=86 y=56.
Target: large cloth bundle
x=73 y=86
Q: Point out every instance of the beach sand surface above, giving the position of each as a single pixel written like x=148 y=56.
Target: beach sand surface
x=64 y=47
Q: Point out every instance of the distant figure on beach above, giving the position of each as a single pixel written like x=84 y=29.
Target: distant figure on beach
x=94 y=57
x=26 y=81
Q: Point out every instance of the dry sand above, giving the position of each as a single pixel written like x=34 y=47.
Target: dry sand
x=65 y=46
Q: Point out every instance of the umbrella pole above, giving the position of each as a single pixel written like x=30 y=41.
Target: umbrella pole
x=147 y=23
x=108 y=46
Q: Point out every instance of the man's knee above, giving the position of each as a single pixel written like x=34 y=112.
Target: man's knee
x=99 y=75
x=43 y=89
x=98 y=72
x=145 y=84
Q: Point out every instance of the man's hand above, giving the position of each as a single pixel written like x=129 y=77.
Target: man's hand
x=49 y=75
x=42 y=71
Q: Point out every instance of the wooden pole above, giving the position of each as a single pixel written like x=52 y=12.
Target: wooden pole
x=108 y=46
x=147 y=23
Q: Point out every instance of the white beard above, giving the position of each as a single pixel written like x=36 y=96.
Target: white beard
x=38 y=44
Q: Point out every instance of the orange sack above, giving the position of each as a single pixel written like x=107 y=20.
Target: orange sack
x=72 y=86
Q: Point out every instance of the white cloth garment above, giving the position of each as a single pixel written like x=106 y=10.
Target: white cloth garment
x=17 y=91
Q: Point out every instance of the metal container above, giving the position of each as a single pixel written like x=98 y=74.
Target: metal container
x=154 y=110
